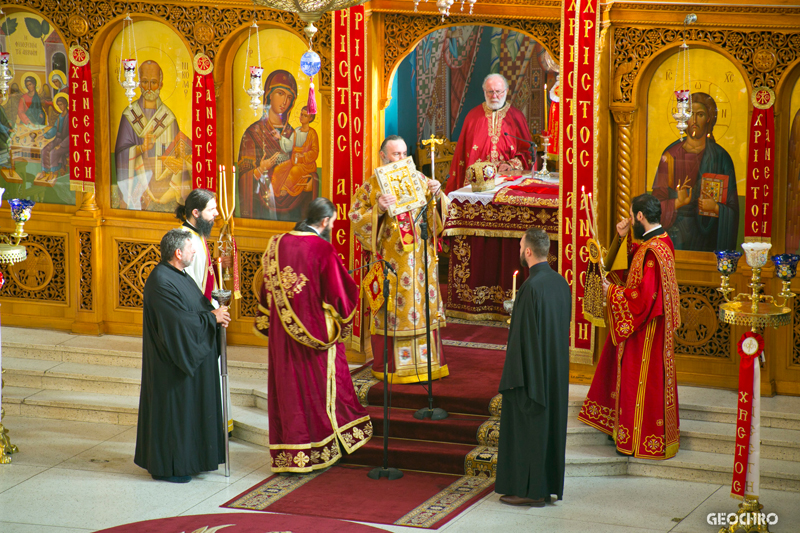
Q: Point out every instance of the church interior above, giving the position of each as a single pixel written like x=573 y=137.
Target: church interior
x=112 y=112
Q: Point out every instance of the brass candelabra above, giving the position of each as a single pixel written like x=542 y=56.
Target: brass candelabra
x=755 y=310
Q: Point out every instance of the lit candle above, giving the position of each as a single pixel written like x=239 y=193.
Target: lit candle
x=514 y=285
x=219 y=270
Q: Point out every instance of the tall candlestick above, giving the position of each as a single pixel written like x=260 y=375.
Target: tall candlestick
x=545 y=108
x=514 y=285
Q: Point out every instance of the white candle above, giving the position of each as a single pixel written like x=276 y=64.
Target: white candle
x=219 y=269
x=514 y=285
x=545 y=108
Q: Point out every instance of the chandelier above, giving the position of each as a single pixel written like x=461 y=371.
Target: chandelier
x=445 y=5
x=683 y=97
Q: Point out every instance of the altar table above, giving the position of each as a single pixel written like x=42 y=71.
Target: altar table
x=484 y=246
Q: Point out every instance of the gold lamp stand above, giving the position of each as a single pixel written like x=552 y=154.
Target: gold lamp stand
x=756 y=311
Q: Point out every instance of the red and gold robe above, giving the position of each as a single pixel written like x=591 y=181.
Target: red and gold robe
x=483 y=138
x=313 y=407
x=634 y=392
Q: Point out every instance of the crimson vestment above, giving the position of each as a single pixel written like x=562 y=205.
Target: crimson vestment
x=483 y=138
x=309 y=300
x=634 y=392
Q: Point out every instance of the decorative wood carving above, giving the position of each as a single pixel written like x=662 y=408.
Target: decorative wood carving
x=249 y=269
x=43 y=275
x=402 y=31
x=701 y=333
x=86 y=296
x=624 y=120
x=764 y=55
x=135 y=262
x=204 y=27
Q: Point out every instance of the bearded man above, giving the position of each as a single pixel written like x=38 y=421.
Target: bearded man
x=634 y=392
x=146 y=130
x=483 y=136
x=309 y=299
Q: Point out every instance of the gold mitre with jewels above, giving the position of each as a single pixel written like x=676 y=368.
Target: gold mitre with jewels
x=482 y=176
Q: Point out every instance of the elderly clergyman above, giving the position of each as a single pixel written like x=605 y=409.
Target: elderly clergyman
x=483 y=136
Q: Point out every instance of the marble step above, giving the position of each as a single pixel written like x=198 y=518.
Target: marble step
x=593 y=461
x=720 y=438
x=250 y=423
x=112 y=350
x=109 y=380
x=707 y=467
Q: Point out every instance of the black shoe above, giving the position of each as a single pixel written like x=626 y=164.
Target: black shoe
x=173 y=479
x=610 y=438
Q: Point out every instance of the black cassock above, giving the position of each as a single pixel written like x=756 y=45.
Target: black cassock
x=535 y=389
x=180 y=415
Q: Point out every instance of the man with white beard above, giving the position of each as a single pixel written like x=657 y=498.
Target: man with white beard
x=147 y=128
x=483 y=136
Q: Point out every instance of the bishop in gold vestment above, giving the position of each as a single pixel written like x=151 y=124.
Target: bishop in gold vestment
x=380 y=236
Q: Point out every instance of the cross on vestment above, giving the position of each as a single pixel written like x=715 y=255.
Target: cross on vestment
x=138 y=120
x=159 y=122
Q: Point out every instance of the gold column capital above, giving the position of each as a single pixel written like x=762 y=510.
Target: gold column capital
x=623 y=115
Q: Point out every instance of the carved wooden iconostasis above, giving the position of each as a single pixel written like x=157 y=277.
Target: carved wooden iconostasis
x=90 y=253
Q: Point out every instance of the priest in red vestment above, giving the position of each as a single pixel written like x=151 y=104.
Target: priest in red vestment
x=310 y=299
x=483 y=136
x=634 y=392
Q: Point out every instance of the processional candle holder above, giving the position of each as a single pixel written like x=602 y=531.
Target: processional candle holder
x=755 y=310
x=544 y=174
x=223 y=298
x=11 y=251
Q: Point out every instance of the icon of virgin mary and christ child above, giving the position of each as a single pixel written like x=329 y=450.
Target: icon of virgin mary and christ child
x=277 y=163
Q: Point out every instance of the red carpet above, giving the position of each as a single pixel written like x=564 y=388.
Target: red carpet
x=472 y=383
x=473 y=333
x=242 y=523
x=418 y=499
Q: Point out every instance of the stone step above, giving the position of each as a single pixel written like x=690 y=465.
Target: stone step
x=593 y=461
x=707 y=467
x=720 y=437
x=109 y=380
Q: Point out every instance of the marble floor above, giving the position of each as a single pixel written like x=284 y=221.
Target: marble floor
x=71 y=477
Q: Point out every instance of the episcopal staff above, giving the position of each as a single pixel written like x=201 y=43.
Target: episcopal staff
x=535 y=384
x=634 y=392
x=309 y=299
x=179 y=432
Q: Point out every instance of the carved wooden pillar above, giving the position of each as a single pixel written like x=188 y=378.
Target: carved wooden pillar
x=624 y=119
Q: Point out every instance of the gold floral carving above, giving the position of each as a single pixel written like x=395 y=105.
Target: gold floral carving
x=86 y=296
x=78 y=25
x=42 y=276
x=633 y=46
x=205 y=27
x=135 y=262
x=700 y=333
x=251 y=278
x=402 y=32
x=203 y=32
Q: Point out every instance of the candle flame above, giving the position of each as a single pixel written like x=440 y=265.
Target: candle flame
x=516 y=272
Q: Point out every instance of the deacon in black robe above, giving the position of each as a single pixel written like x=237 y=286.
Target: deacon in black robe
x=180 y=426
x=535 y=383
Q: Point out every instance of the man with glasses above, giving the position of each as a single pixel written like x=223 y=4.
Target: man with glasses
x=483 y=136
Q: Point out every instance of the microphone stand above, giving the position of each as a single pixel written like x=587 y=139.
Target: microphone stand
x=428 y=412
x=531 y=150
x=384 y=471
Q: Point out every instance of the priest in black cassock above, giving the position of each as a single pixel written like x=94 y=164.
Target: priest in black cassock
x=180 y=427
x=535 y=383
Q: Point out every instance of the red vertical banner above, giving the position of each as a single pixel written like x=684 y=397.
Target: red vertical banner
x=81 y=121
x=348 y=115
x=760 y=167
x=204 y=125
x=580 y=30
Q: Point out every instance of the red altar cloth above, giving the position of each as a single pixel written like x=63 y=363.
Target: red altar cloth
x=484 y=246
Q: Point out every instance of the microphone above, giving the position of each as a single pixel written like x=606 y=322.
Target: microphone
x=388 y=265
x=519 y=138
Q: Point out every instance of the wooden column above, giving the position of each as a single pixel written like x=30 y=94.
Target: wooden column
x=624 y=120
